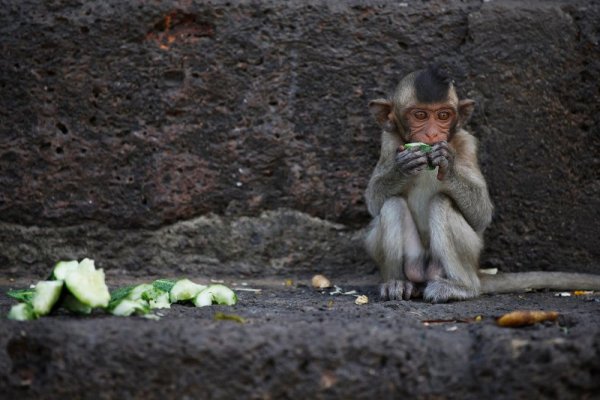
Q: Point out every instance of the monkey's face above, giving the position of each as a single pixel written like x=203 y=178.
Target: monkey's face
x=430 y=123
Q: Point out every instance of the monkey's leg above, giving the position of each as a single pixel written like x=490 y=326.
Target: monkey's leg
x=394 y=244
x=455 y=249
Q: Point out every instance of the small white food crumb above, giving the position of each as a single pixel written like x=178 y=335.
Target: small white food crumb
x=563 y=294
x=489 y=271
x=362 y=299
x=320 y=282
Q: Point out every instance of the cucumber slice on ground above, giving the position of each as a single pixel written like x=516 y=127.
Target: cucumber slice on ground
x=223 y=295
x=45 y=296
x=22 y=295
x=146 y=294
x=216 y=294
x=127 y=307
x=71 y=303
x=204 y=298
x=163 y=300
x=164 y=284
x=139 y=292
x=63 y=268
x=184 y=289
x=87 y=284
x=157 y=298
x=22 y=312
x=119 y=294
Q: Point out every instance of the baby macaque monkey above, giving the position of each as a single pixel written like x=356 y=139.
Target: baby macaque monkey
x=427 y=229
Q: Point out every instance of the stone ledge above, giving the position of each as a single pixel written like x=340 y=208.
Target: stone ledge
x=299 y=344
x=275 y=242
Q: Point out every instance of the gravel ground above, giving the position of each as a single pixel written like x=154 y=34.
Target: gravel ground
x=298 y=342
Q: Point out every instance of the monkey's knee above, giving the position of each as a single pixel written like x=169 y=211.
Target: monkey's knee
x=372 y=237
x=454 y=244
x=387 y=234
x=393 y=208
x=449 y=228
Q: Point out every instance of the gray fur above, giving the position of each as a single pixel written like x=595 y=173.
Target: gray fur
x=428 y=225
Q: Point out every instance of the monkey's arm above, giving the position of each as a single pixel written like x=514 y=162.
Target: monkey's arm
x=392 y=173
x=465 y=184
x=384 y=183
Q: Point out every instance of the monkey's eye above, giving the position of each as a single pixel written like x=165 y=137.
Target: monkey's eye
x=420 y=115
x=443 y=115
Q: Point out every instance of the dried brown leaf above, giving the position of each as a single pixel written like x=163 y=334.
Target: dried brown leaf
x=522 y=318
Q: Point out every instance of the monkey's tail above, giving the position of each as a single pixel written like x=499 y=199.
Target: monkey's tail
x=520 y=281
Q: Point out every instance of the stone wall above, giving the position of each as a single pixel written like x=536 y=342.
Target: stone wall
x=233 y=137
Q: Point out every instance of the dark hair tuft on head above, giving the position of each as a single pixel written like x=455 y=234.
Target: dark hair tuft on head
x=432 y=85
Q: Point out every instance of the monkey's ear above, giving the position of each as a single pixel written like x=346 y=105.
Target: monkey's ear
x=381 y=110
x=465 y=110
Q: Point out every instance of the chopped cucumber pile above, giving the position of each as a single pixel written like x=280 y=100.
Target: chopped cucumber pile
x=161 y=293
x=80 y=288
x=86 y=283
x=76 y=286
x=215 y=294
x=185 y=289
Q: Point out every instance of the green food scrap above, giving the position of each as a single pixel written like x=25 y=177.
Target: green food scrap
x=164 y=284
x=71 y=303
x=63 y=268
x=45 y=297
x=85 y=289
x=425 y=148
x=125 y=308
x=22 y=295
x=22 y=312
x=229 y=317
x=88 y=285
x=184 y=290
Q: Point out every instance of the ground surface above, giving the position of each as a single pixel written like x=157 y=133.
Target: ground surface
x=298 y=342
x=234 y=136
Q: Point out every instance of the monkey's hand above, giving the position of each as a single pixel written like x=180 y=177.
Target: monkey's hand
x=398 y=290
x=410 y=161
x=441 y=156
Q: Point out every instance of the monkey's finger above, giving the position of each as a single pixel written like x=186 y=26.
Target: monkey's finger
x=416 y=168
x=441 y=161
x=441 y=173
x=396 y=290
x=411 y=166
x=408 y=290
x=383 y=292
x=439 y=152
x=391 y=290
x=409 y=154
x=417 y=162
x=440 y=145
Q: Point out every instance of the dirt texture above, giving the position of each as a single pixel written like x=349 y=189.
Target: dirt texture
x=300 y=343
x=125 y=120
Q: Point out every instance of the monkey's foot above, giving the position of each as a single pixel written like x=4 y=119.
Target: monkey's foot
x=397 y=290
x=442 y=290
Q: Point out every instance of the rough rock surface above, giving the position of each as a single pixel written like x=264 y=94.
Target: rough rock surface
x=299 y=343
x=126 y=119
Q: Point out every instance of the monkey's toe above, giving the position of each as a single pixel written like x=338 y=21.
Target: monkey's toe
x=397 y=290
x=442 y=290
